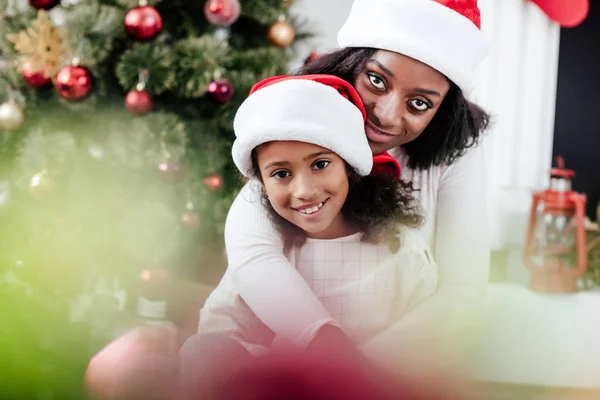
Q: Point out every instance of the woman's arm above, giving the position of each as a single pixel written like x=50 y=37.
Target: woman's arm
x=463 y=256
x=264 y=277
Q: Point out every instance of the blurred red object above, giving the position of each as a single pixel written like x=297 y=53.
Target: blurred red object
x=318 y=376
x=567 y=13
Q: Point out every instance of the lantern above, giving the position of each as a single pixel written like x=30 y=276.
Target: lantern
x=555 y=247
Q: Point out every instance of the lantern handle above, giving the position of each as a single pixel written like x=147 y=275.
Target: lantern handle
x=581 y=238
x=560 y=162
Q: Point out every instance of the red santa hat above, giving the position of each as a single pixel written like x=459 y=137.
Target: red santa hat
x=444 y=34
x=320 y=109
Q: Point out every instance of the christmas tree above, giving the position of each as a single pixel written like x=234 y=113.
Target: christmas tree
x=115 y=137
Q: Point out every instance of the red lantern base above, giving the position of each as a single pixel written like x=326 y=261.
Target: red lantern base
x=559 y=280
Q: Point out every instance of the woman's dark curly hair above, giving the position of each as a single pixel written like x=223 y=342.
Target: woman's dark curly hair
x=456 y=126
x=377 y=205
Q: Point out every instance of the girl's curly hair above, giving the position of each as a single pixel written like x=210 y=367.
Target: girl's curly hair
x=376 y=205
x=456 y=126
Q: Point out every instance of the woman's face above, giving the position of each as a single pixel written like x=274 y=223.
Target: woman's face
x=401 y=96
x=306 y=184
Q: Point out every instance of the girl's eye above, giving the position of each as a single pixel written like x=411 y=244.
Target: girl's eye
x=281 y=174
x=420 y=105
x=321 y=164
x=376 y=81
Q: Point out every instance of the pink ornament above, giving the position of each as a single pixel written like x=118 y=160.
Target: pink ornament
x=222 y=12
x=138 y=102
x=214 y=182
x=171 y=172
x=143 y=23
x=43 y=4
x=221 y=90
x=191 y=219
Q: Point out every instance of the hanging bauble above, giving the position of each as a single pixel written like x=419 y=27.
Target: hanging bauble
x=221 y=90
x=214 y=182
x=191 y=219
x=138 y=101
x=281 y=33
x=36 y=79
x=155 y=283
x=43 y=4
x=143 y=22
x=73 y=82
x=171 y=172
x=11 y=116
x=287 y=3
x=222 y=12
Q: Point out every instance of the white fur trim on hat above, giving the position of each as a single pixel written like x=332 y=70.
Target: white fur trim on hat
x=305 y=111
x=421 y=29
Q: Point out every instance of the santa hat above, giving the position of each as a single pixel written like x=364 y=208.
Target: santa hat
x=444 y=34
x=320 y=109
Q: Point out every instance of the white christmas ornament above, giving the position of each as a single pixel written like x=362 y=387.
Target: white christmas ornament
x=11 y=116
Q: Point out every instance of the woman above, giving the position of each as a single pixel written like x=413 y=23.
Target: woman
x=412 y=62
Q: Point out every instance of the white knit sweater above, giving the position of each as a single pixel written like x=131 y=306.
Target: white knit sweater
x=456 y=228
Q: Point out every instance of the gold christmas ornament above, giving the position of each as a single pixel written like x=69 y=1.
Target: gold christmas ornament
x=287 y=3
x=11 y=116
x=42 y=42
x=281 y=33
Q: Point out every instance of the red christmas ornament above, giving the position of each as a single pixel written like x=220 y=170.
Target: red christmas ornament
x=34 y=78
x=138 y=102
x=214 y=182
x=155 y=283
x=191 y=219
x=143 y=23
x=222 y=12
x=171 y=172
x=221 y=90
x=43 y=4
x=567 y=13
x=73 y=82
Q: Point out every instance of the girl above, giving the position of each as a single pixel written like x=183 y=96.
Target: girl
x=300 y=140
x=412 y=62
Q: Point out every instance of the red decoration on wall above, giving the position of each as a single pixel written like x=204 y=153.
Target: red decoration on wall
x=567 y=13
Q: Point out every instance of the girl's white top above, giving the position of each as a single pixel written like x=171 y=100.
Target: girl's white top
x=363 y=286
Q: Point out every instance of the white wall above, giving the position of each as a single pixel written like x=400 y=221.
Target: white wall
x=518 y=87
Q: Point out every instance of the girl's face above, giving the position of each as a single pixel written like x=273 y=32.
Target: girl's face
x=401 y=96
x=306 y=184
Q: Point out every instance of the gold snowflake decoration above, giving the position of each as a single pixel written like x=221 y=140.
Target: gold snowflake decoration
x=42 y=42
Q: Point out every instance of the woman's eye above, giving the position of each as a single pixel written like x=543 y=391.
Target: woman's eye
x=376 y=81
x=420 y=105
x=281 y=174
x=321 y=164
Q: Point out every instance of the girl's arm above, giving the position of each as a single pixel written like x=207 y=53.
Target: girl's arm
x=462 y=252
x=263 y=276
